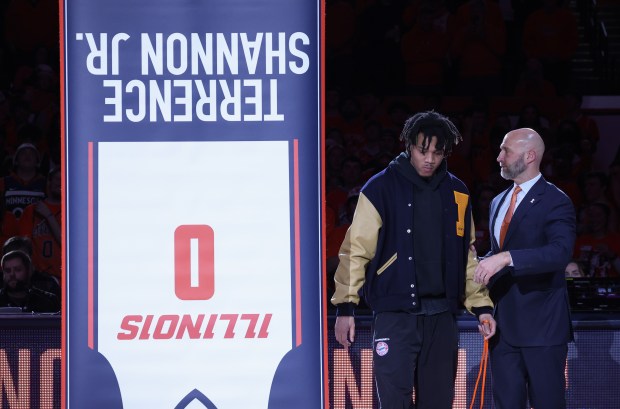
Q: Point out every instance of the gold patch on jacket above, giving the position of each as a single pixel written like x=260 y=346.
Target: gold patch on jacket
x=461 y=200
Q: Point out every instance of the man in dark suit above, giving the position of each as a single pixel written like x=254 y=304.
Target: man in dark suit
x=524 y=272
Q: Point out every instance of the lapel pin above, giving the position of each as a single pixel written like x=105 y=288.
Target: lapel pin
x=532 y=201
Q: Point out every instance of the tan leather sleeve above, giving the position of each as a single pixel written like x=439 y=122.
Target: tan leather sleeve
x=476 y=295
x=358 y=248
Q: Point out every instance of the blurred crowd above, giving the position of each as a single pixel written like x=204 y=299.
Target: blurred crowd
x=452 y=47
x=30 y=177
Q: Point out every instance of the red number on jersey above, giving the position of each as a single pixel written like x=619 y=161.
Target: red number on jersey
x=203 y=236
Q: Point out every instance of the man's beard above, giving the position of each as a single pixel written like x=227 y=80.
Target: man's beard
x=510 y=172
x=19 y=286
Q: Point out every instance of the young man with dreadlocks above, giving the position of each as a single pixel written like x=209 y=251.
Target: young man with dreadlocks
x=410 y=252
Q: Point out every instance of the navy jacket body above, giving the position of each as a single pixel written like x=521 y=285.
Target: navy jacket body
x=530 y=297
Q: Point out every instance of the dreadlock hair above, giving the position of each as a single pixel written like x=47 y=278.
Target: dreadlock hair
x=430 y=123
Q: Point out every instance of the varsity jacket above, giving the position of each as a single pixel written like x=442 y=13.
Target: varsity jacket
x=377 y=253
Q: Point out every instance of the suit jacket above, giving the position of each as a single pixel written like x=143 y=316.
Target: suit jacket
x=532 y=307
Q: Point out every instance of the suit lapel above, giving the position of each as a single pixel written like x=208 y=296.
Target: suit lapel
x=531 y=199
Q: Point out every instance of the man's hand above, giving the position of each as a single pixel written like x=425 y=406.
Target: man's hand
x=345 y=331
x=487 y=325
x=489 y=266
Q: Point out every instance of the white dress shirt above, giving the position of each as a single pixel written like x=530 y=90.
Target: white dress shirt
x=525 y=187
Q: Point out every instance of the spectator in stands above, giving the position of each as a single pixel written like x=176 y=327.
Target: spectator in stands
x=476 y=127
x=587 y=124
x=478 y=43
x=560 y=171
x=574 y=270
x=568 y=137
x=550 y=36
x=594 y=190
x=371 y=106
x=398 y=112
x=25 y=185
x=532 y=83
x=44 y=281
x=18 y=291
x=33 y=134
x=599 y=249
x=349 y=119
x=41 y=221
x=371 y=145
x=424 y=50
x=390 y=143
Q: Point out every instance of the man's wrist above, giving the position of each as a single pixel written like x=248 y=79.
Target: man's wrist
x=346 y=309
x=508 y=259
x=478 y=311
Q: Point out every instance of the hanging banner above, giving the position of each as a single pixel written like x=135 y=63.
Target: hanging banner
x=192 y=154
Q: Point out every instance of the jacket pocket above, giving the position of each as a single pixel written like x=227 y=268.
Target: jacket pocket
x=388 y=263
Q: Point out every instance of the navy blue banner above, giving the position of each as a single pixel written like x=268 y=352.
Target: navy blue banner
x=192 y=161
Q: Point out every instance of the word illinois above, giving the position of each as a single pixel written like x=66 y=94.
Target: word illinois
x=200 y=326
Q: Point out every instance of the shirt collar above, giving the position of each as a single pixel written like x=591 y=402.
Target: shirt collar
x=526 y=186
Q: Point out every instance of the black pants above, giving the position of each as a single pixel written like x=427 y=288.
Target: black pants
x=520 y=373
x=415 y=351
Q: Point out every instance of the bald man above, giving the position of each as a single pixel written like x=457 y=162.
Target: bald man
x=524 y=271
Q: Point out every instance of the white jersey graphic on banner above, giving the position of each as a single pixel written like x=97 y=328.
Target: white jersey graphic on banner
x=180 y=269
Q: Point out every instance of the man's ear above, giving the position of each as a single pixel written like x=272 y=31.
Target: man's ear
x=530 y=156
